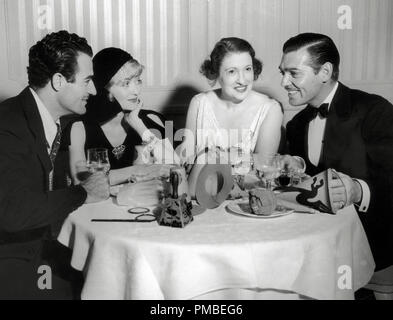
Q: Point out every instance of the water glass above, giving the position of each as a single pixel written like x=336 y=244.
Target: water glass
x=267 y=167
x=298 y=172
x=98 y=160
x=240 y=160
x=82 y=170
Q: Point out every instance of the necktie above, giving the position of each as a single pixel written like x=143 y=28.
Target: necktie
x=322 y=111
x=53 y=153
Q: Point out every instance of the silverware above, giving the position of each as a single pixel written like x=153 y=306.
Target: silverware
x=307 y=212
x=119 y=220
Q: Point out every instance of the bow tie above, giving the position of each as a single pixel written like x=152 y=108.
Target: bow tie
x=323 y=111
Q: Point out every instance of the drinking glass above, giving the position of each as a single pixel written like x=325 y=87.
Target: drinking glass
x=298 y=172
x=241 y=161
x=82 y=170
x=98 y=160
x=267 y=167
x=285 y=178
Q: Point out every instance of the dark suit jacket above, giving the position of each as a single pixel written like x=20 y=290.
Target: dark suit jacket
x=25 y=202
x=358 y=141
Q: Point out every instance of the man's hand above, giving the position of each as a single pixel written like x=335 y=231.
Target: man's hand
x=291 y=163
x=345 y=191
x=97 y=187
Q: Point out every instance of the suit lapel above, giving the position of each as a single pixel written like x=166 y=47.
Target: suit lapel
x=34 y=122
x=337 y=128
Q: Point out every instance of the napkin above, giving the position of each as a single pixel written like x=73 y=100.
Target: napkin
x=139 y=173
x=313 y=192
x=140 y=194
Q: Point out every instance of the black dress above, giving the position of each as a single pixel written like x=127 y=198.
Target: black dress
x=123 y=155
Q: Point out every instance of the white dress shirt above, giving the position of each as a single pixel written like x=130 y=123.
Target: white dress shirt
x=50 y=126
x=50 y=129
x=316 y=131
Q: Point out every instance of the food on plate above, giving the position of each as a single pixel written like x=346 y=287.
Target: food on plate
x=262 y=202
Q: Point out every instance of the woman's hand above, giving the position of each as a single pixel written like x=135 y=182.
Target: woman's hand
x=135 y=121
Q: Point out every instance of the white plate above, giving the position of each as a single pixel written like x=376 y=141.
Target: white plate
x=243 y=208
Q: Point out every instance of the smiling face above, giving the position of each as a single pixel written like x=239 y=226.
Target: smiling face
x=236 y=76
x=72 y=96
x=303 y=84
x=125 y=85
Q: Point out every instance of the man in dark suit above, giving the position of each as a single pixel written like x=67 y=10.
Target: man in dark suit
x=348 y=130
x=31 y=199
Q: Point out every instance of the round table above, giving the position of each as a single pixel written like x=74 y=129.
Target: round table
x=319 y=256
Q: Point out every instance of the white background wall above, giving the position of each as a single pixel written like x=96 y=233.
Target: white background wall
x=172 y=37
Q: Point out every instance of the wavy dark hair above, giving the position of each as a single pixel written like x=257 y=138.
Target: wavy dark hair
x=320 y=47
x=57 y=52
x=210 y=67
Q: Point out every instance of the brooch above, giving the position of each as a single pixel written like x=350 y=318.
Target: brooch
x=118 y=151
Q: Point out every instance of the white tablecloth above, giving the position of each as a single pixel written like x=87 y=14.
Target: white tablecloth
x=318 y=256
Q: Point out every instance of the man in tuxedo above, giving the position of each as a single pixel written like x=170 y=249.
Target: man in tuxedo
x=348 y=130
x=31 y=201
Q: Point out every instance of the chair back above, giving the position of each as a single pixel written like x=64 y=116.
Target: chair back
x=382 y=284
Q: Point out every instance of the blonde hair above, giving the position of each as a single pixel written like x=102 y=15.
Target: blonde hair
x=123 y=73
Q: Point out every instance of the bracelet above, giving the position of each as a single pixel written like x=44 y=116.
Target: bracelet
x=149 y=144
x=148 y=140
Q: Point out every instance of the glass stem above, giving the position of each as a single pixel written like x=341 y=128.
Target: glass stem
x=268 y=184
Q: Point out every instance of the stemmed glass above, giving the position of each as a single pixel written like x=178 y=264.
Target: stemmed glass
x=240 y=160
x=298 y=170
x=98 y=160
x=267 y=168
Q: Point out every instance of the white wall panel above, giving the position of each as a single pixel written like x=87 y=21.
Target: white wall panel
x=172 y=38
x=366 y=49
x=154 y=31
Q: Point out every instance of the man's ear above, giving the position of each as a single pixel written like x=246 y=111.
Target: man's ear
x=57 y=81
x=326 y=72
x=111 y=98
